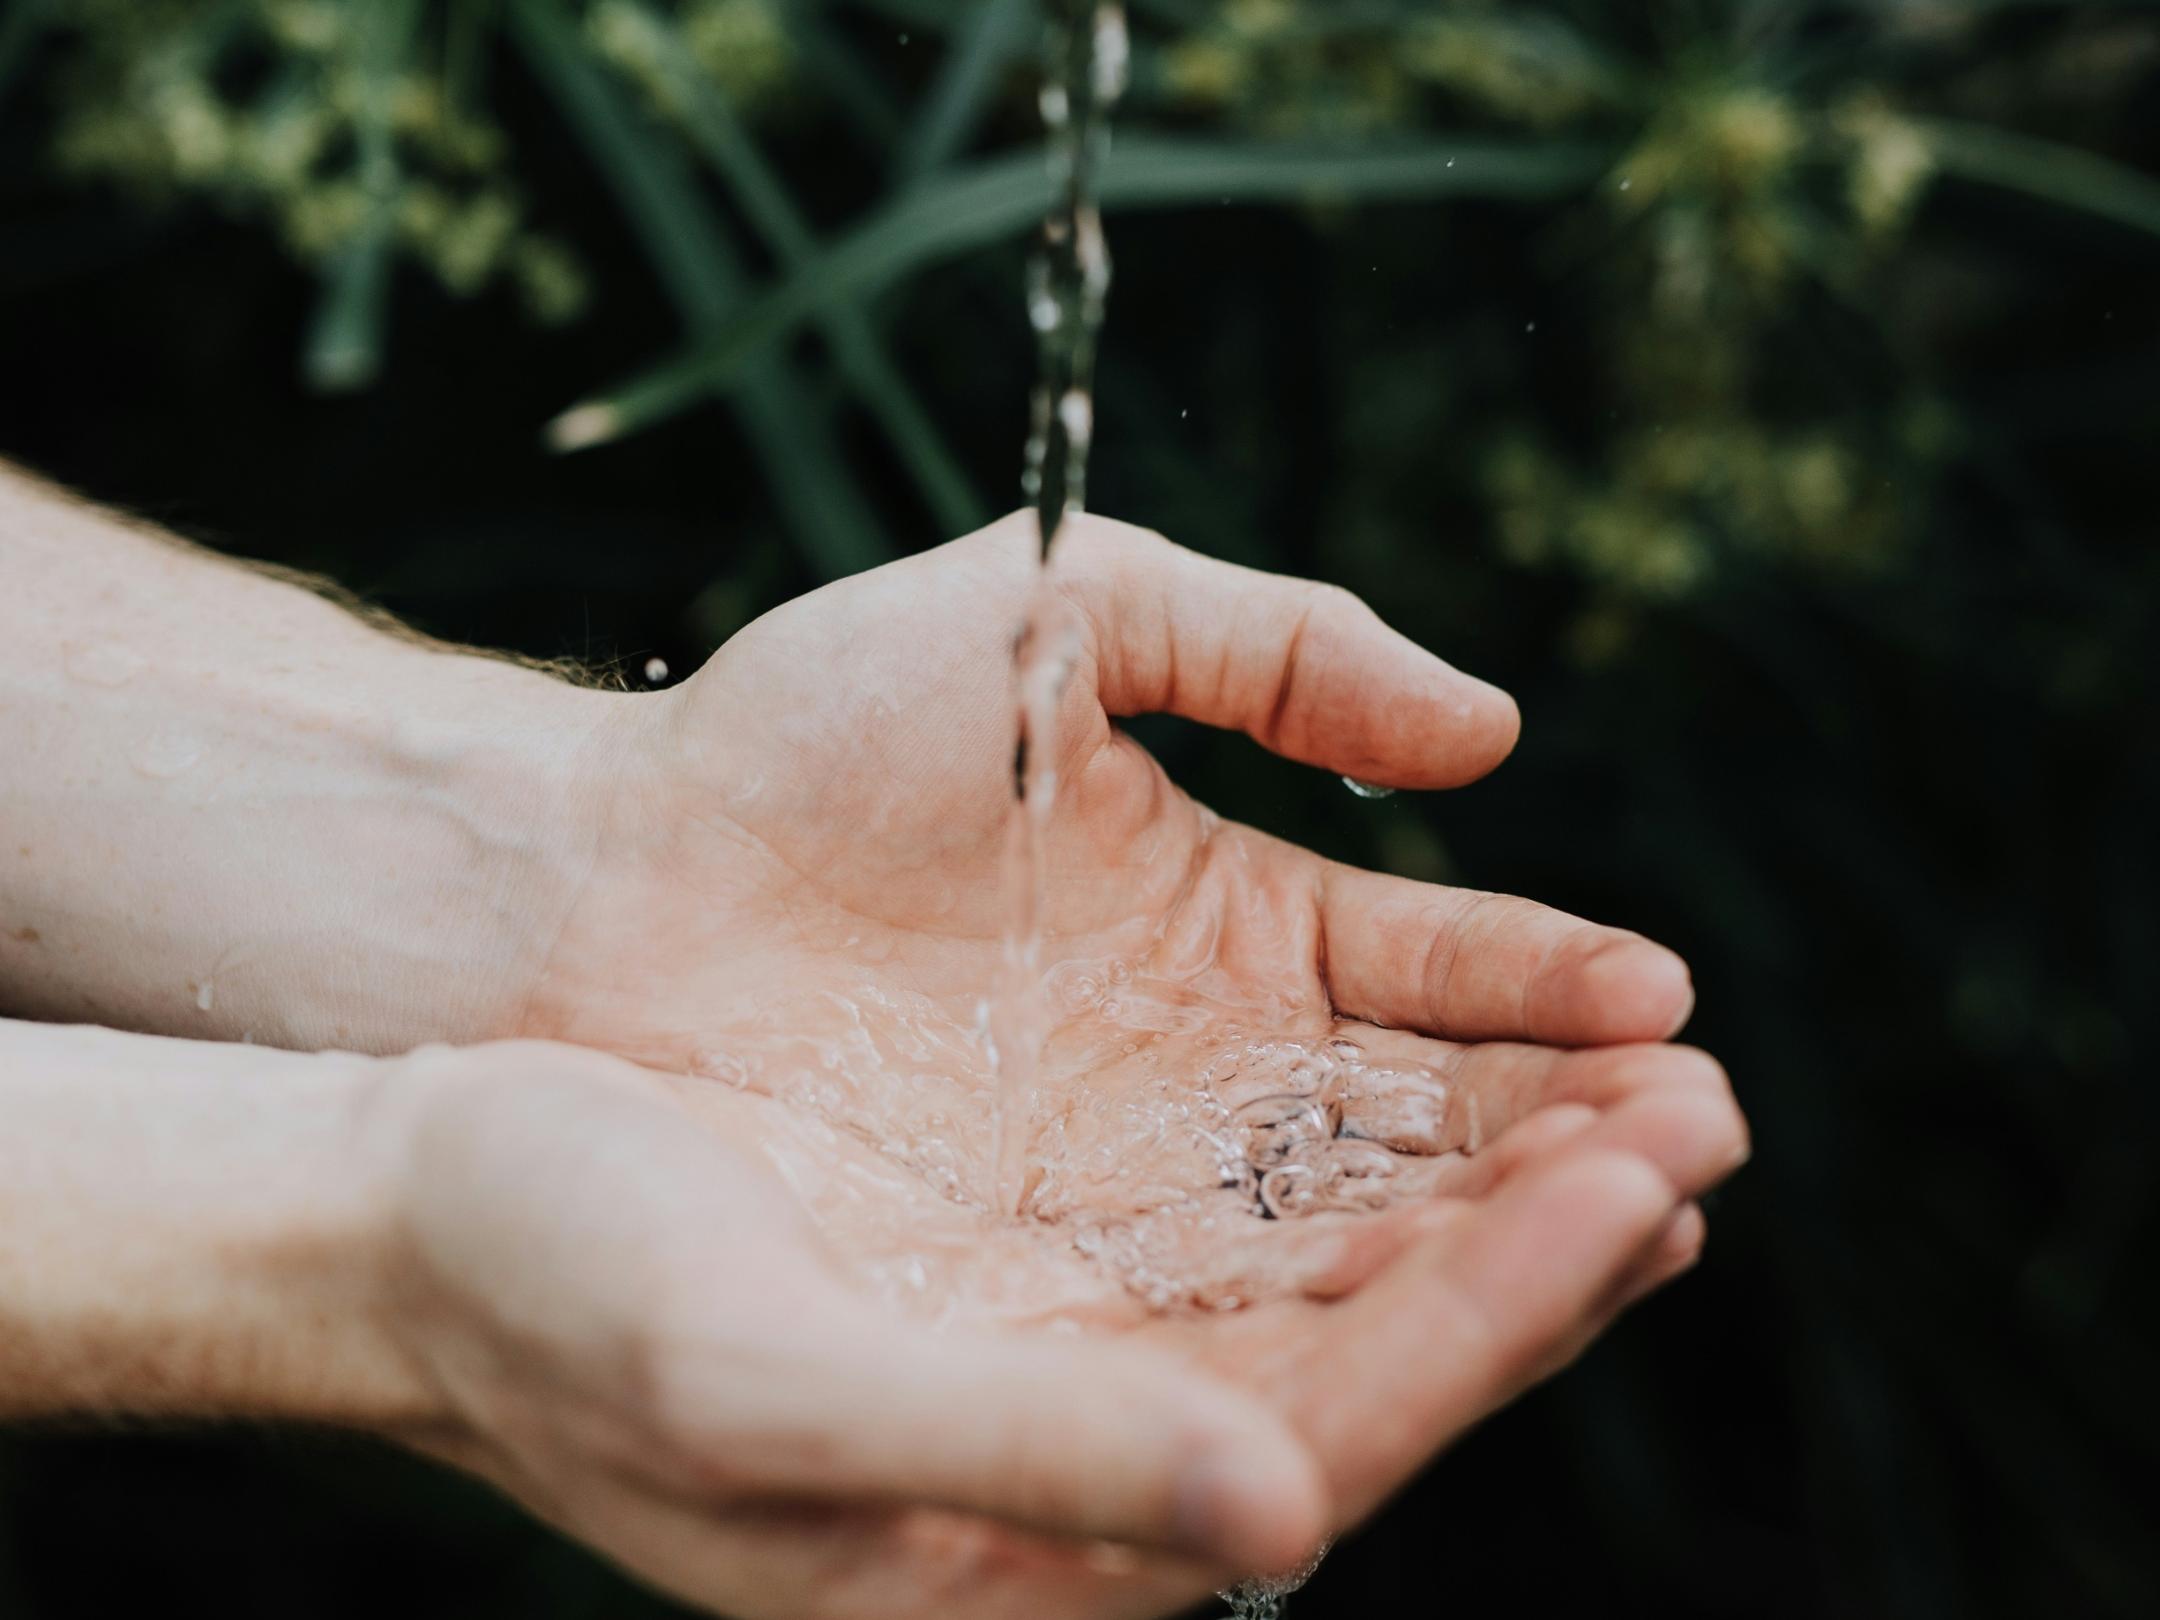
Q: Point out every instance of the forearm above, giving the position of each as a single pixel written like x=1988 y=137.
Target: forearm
x=233 y=809
x=193 y=1230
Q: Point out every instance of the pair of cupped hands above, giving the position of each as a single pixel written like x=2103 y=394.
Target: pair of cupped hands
x=645 y=1337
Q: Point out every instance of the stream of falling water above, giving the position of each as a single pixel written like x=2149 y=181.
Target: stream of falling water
x=1068 y=284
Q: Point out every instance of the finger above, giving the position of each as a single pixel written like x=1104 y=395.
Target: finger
x=1523 y=1143
x=1675 y=1253
x=1081 y=1439
x=1477 y=967
x=1462 y=1323
x=1680 y=1118
x=1307 y=670
x=1438 y=1098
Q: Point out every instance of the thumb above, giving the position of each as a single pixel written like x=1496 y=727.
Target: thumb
x=1307 y=670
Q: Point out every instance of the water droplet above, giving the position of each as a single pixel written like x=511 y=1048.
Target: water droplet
x=1530 y=326
x=1113 y=53
x=167 y=754
x=656 y=671
x=725 y=1067
x=903 y=39
x=1451 y=163
x=1056 y=107
x=1367 y=790
x=1077 y=413
x=205 y=994
x=1627 y=185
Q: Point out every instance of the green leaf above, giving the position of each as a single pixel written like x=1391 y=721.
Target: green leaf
x=992 y=33
x=992 y=201
x=697 y=263
x=855 y=90
x=719 y=137
x=344 y=344
x=2062 y=175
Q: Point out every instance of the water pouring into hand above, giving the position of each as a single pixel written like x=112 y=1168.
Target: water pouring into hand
x=1068 y=284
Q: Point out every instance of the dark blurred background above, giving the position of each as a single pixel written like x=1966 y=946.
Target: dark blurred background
x=1769 y=394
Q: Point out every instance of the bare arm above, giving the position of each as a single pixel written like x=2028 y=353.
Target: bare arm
x=530 y=1261
x=191 y=1230
x=230 y=807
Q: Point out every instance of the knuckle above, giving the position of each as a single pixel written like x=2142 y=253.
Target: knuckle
x=1326 y=599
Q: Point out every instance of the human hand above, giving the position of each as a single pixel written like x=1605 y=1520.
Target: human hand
x=825 y=803
x=797 y=880
x=630 y=1326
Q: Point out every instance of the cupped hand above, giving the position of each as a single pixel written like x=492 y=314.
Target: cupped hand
x=824 y=806
x=628 y=1324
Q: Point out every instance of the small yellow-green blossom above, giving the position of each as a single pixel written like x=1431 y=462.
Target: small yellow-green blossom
x=145 y=109
x=1892 y=164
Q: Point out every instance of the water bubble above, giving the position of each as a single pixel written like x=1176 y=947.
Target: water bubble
x=1357 y=1176
x=1261 y=1598
x=1408 y=1111
x=1367 y=790
x=726 y=1067
x=656 y=671
x=1285 y=1126
x=1291 y=1190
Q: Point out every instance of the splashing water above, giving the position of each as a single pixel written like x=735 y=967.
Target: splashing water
x=1068 y=285
x=1265 y=1597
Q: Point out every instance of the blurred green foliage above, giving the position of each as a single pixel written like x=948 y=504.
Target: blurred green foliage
x=1764 y=389
x=1742 y=176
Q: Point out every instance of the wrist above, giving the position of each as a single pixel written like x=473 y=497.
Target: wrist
x=198 y=1231
x=499 y=775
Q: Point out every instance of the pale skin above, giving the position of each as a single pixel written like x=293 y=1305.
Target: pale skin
x=569 y=1266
